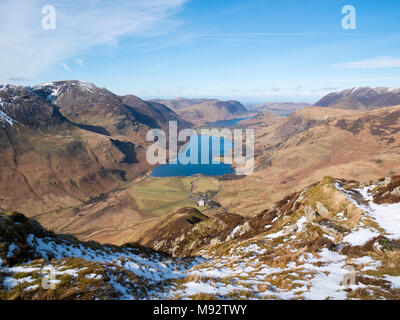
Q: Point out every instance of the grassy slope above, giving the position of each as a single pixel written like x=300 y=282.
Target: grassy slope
x=343 y=143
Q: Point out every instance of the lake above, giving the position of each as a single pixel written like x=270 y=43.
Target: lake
x=225 y=123
x=185 y=170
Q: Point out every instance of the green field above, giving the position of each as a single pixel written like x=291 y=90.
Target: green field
x=160 y=196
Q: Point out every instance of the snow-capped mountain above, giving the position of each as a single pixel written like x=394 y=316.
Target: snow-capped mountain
x=362 y=98
x=67 y=141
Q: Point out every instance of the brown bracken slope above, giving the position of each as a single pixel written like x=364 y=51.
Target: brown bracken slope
x=66 y=146
x=310 y=144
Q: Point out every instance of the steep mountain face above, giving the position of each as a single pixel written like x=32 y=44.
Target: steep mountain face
x=281 y=109
x=21 y=105
x=335 y=239
x=102 y=111
x=364 y=98
x=310 y=144
x=86 y=105
x=155 y=115
x=206 y=110
x=66 y=143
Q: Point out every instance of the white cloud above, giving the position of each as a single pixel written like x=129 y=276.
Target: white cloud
x=26 y=49
x=80 y=62
x=65 y=66
x=380 y=62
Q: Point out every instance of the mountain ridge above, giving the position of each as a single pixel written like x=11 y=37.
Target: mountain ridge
x=206 y=110
x=84 y=140
x=362 y=98
x=281 y=109
x=310 y=144
x=334 y=239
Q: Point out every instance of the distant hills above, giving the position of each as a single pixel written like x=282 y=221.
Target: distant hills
x=263 y=117
x=281 y=109
x=311 y=143
x=362 y=98
x=206 y=110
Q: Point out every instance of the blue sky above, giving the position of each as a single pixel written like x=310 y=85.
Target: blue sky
x=252 y=51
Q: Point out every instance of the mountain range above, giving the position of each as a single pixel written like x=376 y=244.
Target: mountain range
x=323 y=200
x=67 y=141
x=281 y=109
x=297 y=150
x=362 y=98
x=206 y=110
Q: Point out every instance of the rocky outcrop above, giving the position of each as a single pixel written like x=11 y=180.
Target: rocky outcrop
x=310 y=214
x=322 y=210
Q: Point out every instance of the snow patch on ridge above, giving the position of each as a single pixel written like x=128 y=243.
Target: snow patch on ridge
x=5 y=118
x=387 y=216
x=360 y=237
x=152 y=269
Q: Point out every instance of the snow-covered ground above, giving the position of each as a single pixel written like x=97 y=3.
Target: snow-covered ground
x=5 y=118
x=312 y=277
x=153 y=268
x=286 y=261
x=360 y=236
x=387 y=216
